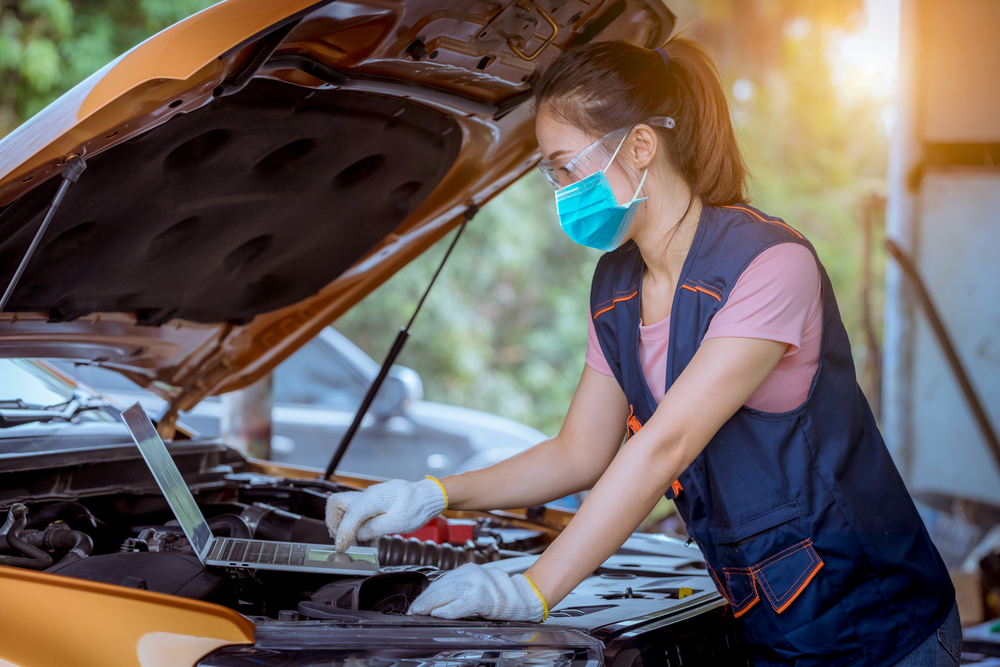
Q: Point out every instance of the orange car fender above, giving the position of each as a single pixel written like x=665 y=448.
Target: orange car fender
x=48 y=620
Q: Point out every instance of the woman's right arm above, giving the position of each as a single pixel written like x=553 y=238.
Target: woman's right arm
x=572 y=461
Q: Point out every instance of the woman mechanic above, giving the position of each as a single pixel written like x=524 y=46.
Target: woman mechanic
x=716 y=348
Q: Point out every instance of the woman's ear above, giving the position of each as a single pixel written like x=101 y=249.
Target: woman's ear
x=645 y=145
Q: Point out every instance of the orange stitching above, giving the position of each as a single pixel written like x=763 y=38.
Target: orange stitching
x=779 y=602
x=772 y=596
x=613 y=294
x=812 y=562
x=718 y=584
x=737 y=614
x=801 y=588
x=774 y=222
x=632 y=424
x=725 y=590
x=711 y=294
x=676 y=486
x=698 y=288
x=615 y=301
x=714 y=290
x=729 y=584
x=784 y=554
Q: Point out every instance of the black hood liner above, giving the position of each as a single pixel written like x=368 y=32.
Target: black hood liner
x=249 y=204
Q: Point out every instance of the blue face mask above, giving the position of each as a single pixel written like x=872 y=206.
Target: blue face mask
x=590 y=214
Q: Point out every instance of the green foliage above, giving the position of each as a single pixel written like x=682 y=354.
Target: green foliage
x=48 y=46
x=505 y=327
x=816 y=159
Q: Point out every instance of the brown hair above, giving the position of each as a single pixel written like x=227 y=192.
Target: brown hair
x=604 y=86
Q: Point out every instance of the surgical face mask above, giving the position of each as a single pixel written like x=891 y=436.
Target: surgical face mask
x=589 y=212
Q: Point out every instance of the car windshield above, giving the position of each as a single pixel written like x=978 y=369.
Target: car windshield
x=328 y=371
x=28 y=382
x=30 y=393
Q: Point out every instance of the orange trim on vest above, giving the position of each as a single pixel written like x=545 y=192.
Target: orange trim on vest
x=773 y=222
x=801 y=588
x=613 y=302
x=632 y=424
x=703 y=291
x=676 y=486
x=746 y=608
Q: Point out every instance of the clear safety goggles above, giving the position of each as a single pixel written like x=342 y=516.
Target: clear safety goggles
x=565 y=171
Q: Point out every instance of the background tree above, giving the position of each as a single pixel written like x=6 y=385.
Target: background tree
x=48 y=46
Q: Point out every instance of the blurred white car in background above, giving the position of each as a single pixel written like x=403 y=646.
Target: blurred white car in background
x=316 y=393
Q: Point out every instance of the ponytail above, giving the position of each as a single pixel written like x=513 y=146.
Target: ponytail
x=605 y=86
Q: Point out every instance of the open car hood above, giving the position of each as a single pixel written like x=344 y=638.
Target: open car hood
x=256 y=169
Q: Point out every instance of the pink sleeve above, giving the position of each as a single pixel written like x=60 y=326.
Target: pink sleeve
x=773 y=298
x=595 y=355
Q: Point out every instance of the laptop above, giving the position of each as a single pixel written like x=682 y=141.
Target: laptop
x=231 y=552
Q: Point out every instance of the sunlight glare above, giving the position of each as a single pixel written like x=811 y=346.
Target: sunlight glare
x=866 y=60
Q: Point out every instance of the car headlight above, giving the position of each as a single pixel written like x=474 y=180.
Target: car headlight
x=319 y=644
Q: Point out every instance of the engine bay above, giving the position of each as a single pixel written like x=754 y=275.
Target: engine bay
x=102 y=518
x=135 y=542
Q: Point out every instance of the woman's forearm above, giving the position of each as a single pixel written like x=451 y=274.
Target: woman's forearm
x=615 y=507
x=570 y=462
x=548 y=471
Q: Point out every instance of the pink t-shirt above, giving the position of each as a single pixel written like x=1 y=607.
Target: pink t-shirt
x=779 y=298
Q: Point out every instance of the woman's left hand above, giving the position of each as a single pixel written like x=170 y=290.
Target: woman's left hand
x=474 y=590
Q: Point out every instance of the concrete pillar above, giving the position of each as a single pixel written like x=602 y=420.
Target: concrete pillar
x=246 y=418
x=905 y=154
x=944 y=212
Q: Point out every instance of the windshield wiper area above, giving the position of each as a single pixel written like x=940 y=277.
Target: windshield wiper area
x=16 y=412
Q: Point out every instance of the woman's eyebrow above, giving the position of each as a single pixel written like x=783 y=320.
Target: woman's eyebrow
x=556 y=154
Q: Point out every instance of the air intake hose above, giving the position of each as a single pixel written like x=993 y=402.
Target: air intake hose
x=32 y=557
x=74 y=514
x=58 y=536
x=230 y=525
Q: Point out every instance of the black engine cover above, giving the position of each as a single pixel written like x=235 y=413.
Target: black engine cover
x=173 y=573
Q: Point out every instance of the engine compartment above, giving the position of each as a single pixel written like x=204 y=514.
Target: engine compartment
x=133 y=540
x=97 y=514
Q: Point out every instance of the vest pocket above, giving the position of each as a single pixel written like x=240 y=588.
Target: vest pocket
x=786 y=574
x=756 y=526
x=781 y=578
x=806 y=623
x=740 y=589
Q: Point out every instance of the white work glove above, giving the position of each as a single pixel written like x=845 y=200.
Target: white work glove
x=383 y=509
x=474 y=590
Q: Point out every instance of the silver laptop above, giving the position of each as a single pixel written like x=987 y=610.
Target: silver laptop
x=228 y=551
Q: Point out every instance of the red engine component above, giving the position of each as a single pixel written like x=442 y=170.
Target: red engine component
x=441 y=530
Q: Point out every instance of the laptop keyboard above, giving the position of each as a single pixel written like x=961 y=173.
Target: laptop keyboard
x=261 y=552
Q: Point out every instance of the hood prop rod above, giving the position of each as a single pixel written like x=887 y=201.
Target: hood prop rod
x=397 y=347
x=74 y=167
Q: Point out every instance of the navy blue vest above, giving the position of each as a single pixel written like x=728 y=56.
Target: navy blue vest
x=804 y=521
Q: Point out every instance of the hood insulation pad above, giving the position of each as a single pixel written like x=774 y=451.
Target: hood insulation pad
x=246 y=205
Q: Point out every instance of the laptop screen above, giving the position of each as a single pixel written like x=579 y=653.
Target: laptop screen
x=168 y=477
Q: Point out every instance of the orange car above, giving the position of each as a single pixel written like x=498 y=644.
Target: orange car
x=189 y=216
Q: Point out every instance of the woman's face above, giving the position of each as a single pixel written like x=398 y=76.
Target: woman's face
x=560 y=142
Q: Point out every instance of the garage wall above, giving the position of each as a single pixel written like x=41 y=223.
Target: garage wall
x=960 y=243
x=944 y=211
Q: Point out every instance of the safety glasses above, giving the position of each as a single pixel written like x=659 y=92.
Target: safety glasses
x=595 y=157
